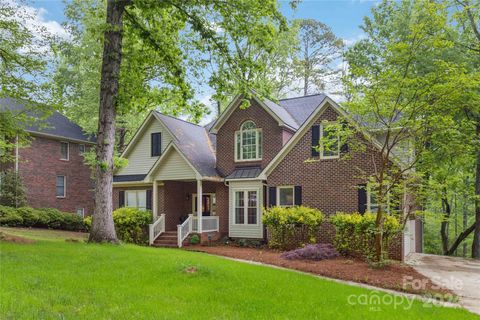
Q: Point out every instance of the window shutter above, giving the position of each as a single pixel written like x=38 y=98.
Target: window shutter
x=298 y=195
x=362 y=198
x=272 y=196
x=315 y=140
x=265 y=204
x=156 y=144
x=344 y=146
x=149 y=199
x=121 y=199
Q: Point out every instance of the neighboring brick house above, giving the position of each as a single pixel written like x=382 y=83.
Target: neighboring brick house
x=246 y=160
x=52 y=165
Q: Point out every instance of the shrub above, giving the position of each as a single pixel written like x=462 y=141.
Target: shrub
x=290 y=228
x=355 y=233
x=131 y=224
x=9 y=217
x=40 y=218
x=194 y=239
x=319 y=251
x=12 y=191
x=88 y=223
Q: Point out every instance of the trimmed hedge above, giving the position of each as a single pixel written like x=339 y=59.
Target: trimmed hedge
x=40 y=218
x=131 y=224
x=355 y=233
x=290 y=228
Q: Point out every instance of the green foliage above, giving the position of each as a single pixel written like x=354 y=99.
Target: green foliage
x=88 y=222
x=131 y=224
x=355 y=233
x=194 y=239
x=292 y=227
x=12 y=191
x=40 y=218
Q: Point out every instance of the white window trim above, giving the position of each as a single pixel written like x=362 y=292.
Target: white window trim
x=369 y=198
x=83 y=212
x=136 y=199
x=84 y=149
x=68 y=151
x=322 y=125
x=278 y=195
x=257 y=138
x=64 y=186
x=245 y=207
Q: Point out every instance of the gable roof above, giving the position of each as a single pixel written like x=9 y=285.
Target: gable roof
x=326 y=101
x=300 y=108
x=194 y=143
x=56 y=125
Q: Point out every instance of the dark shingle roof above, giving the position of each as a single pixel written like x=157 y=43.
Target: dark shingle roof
x=300 y=108
x=56 y=124
x=129 y=178
x=283 y=114
x=244 y=173
x=195 y=143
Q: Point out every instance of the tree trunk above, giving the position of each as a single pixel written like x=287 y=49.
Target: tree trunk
x=103 y=229
x=459 y=240
x=476 y=231
x=445 y=220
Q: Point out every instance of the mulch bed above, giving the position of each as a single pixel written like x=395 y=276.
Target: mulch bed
x=14 y=239
x=388 y=277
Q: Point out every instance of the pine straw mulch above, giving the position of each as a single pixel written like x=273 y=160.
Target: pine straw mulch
x=389 y=277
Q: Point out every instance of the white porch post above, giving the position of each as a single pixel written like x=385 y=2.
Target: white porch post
x=199 y=205
x=155 y=200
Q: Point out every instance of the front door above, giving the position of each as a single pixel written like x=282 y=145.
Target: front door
x=206 y=204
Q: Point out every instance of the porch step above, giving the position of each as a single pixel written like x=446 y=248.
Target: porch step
x=166 y=239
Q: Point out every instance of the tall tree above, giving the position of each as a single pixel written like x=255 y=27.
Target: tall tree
x=148 y=18
x=317 y=62
x=401 y=79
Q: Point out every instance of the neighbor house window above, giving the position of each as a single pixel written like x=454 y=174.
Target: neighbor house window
x=329 y=141
x=286 y=196
x=248 y=142
x=81 y=148
x=136 y=199
x=64 y=150
x=81 y=212
x=61 y=183
x=246 y=207
x=156 y=144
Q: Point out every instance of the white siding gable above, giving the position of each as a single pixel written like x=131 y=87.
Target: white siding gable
x=173 y=167
x=139 y=159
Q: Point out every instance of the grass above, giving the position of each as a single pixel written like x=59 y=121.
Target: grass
x=54 y=279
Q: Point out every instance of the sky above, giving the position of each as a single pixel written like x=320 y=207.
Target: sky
x=343 y=16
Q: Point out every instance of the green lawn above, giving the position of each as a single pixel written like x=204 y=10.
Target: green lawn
x=54 y=279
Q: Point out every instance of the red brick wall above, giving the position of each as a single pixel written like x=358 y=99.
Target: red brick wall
x=272 y=138
x=39 y=166
x=329 y=185
x=175 y=201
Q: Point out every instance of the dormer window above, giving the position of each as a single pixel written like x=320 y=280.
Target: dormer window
x=248 y=142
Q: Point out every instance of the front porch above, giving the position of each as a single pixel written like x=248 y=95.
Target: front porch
x=178 y=206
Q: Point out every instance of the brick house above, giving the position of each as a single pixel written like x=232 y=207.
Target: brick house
x=51 y=165
x=224 y=173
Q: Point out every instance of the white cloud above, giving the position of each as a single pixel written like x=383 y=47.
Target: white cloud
x=352 y=40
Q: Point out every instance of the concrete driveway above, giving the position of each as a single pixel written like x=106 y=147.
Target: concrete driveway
x=462 y=276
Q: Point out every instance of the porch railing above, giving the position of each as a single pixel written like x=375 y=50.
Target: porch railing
x=184 y=229
x=209 y=224
x=155 y=229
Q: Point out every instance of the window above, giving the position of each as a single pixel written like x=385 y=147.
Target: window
x=156 y=144
x=81 y=212
x=64 y=150
x=329 y=141
x=246 y=207
x=286 y=196
x=136 y=199
x=372 y=201
x=248 y=142
x=81 y=148
x=61 y=183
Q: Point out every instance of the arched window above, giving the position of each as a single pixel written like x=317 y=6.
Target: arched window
x=248 y=142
